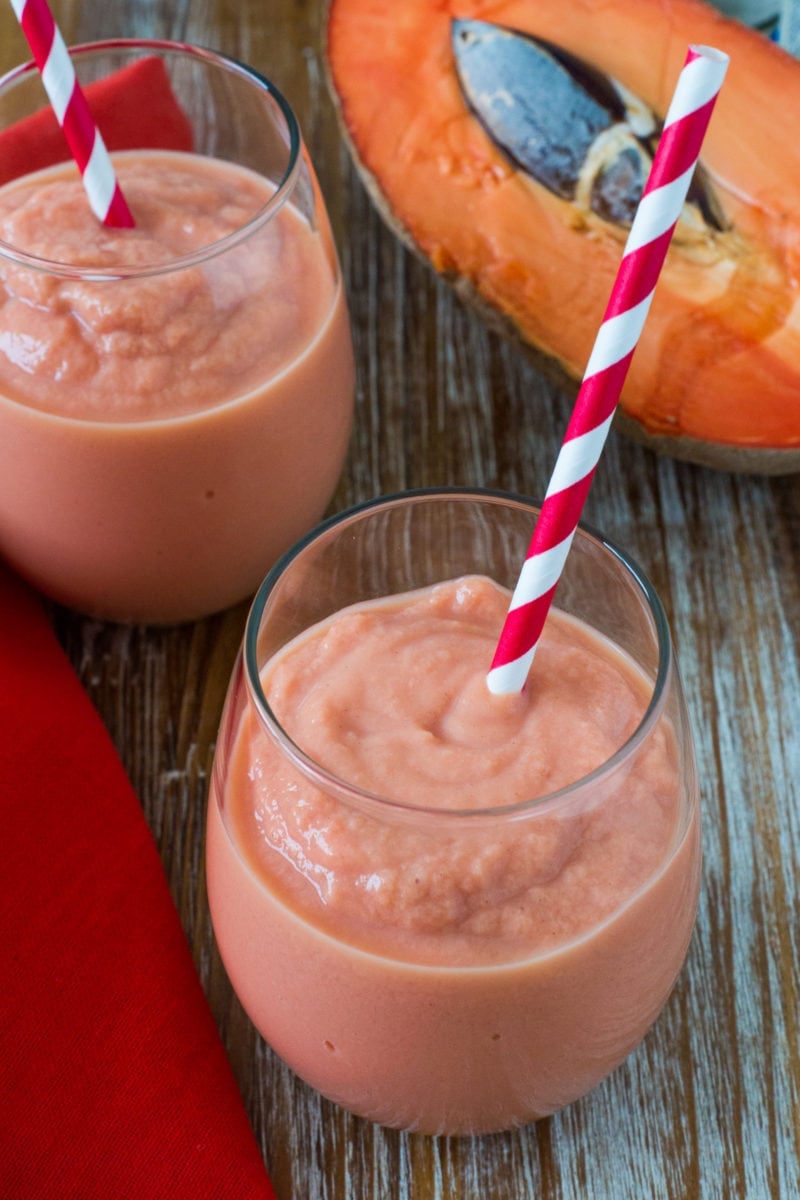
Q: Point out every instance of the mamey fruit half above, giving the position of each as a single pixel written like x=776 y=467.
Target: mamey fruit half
x=506 y=142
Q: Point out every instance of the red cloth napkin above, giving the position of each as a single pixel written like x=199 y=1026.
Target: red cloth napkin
x=114 y=1082
x=135 y=107
x=113 y=1079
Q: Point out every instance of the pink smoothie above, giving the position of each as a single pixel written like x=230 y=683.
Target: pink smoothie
x=487 y=960
x=170 y=419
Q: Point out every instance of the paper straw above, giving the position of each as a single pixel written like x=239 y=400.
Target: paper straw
x=72 y=112
x=658 y=212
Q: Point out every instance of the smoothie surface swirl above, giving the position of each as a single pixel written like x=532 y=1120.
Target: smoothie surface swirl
x=160 y=345
x=391 y=696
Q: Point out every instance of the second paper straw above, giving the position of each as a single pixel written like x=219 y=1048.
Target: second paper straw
x=645 y=250
x=72 y=112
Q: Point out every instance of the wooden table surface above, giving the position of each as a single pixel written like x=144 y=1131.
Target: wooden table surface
x=708 y=1106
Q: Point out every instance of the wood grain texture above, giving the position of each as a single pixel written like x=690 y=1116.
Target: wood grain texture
x=709 y=1106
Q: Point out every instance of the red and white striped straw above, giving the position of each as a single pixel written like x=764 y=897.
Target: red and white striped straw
x=655 y=219
x=72 y=112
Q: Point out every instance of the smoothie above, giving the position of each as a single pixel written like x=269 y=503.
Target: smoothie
x=175 y=399
x=455 y=956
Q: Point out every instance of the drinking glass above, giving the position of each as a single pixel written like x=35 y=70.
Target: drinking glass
x=451 y=969
x=174 y=414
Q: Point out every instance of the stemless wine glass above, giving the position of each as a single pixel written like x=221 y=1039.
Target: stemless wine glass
x=451 y=969
x=175 y=400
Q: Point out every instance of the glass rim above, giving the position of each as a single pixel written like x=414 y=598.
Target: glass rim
x=328 y=780
x=165 y=47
